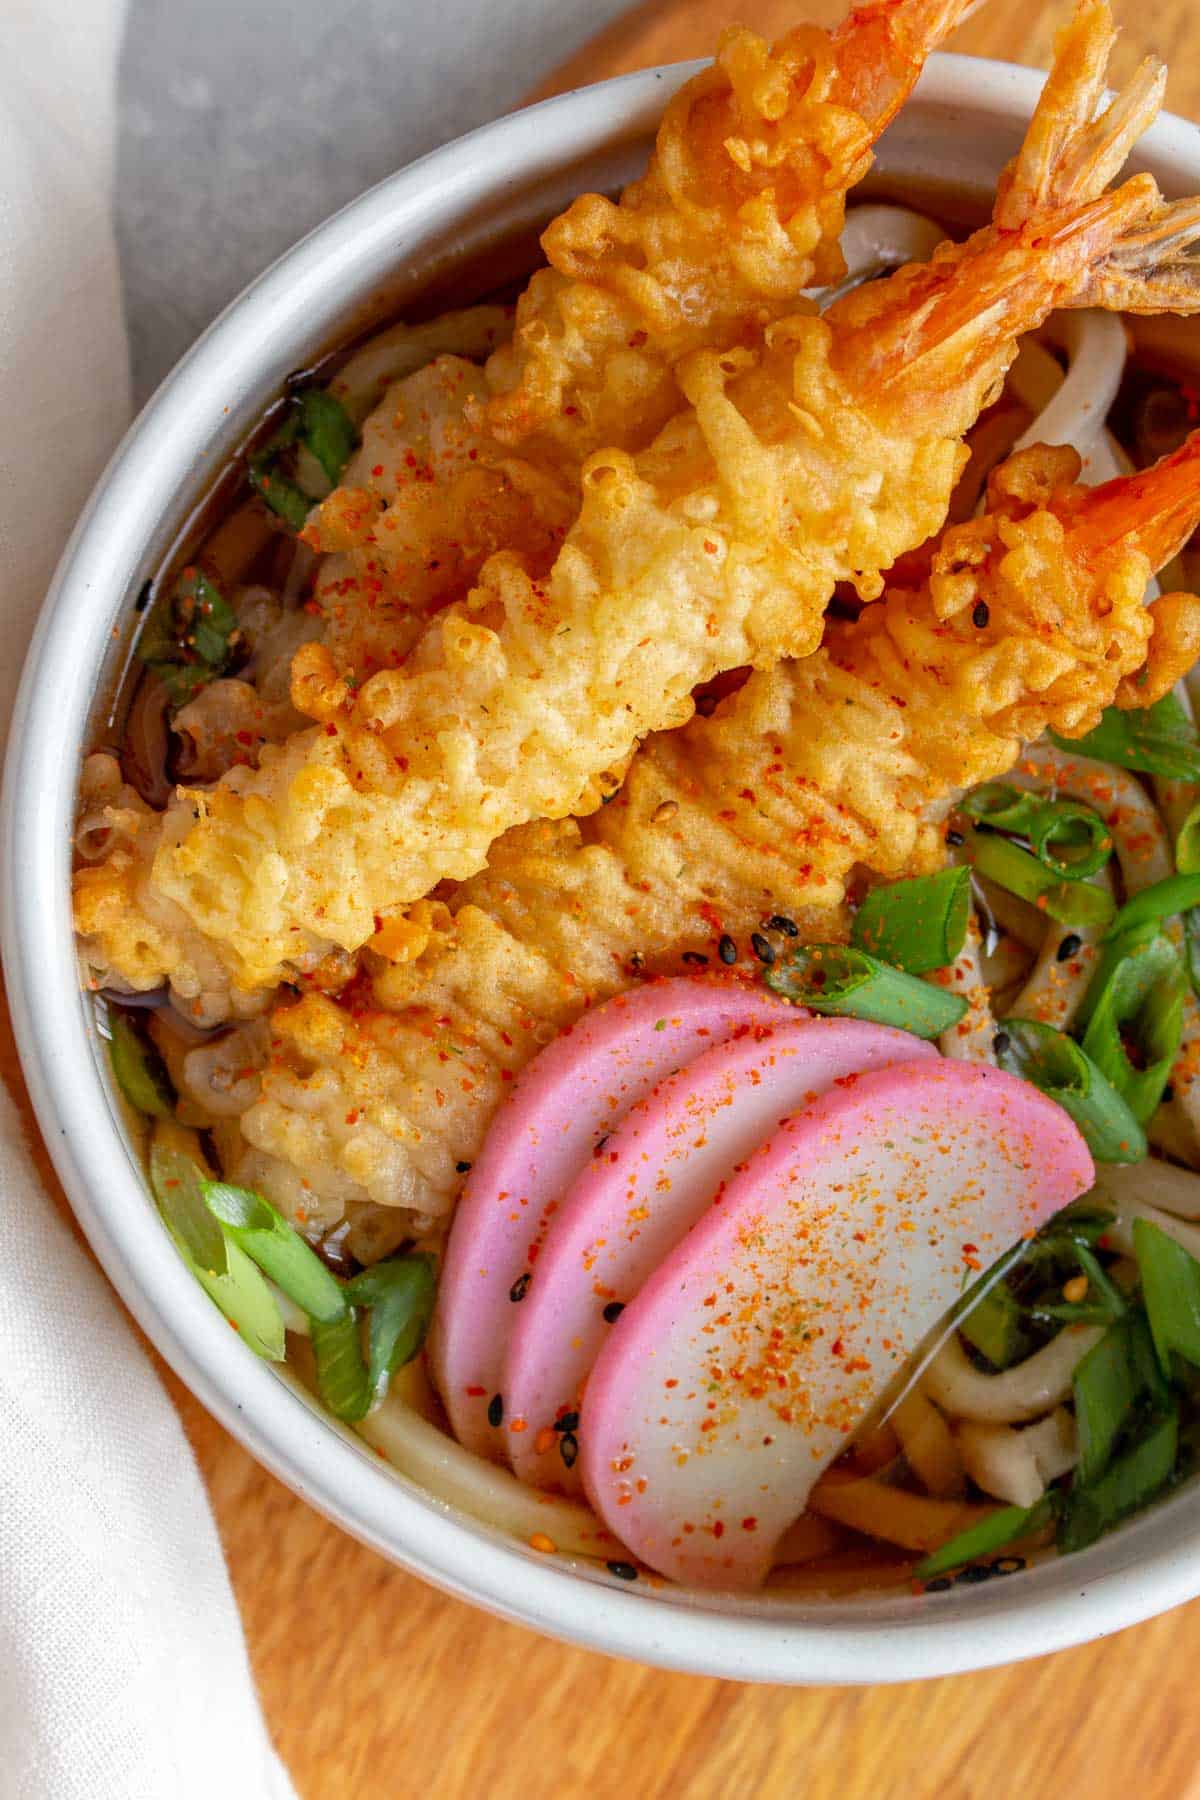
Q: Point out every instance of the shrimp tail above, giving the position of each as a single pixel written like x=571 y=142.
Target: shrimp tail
x=1152 y=268
x=1069 y=155
x=880 y=49
x=1153 y=511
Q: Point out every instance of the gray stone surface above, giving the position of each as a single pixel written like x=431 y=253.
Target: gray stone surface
x=245 y=122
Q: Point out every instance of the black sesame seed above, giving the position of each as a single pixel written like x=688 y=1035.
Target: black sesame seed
x=1168 y=1093
x=613 y=1311
x=762 y=948
x=520 y=1287
x=145 y=596
x=463 y=1168
x=598 y=1146
x=637 y=960
x=727 y=949
x=980 y=614
x=1001 y=1042
x=568 y=1422
x=495 y=1413
x=973 y=1574
x=1009 y=1565
x=622 y=1570
x=954 y=839
x=1068 y=947
x=568 y=1448
x=694 y=956
x=941 y=1584
x=780 y=922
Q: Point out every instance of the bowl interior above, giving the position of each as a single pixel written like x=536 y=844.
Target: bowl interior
x=446 y=232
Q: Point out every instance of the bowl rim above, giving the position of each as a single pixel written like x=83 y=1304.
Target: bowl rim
x=325 y=1466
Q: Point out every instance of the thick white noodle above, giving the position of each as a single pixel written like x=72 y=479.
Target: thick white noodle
x=473 y=332
x=1071 y=409
x=971 y=1039
x=878 y=238
x=1017 y=1464
x=1013 y=1396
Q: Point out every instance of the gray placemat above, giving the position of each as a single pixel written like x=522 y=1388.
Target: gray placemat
x=245 y=122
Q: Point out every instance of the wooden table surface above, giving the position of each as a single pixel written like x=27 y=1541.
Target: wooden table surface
x=378 y=1688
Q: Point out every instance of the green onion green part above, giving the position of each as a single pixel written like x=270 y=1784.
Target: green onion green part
x=1127 y=1484
x=139 y=1070
x=1176 y=894
x=831 y=978
x=994 y=1325
x=1070 y=840
x=1137 y=997
x=222 y=1268
x=279 y=1251
x=342 y=1380
x=1006 y=1526
x=189 y=640
x=1056 y=1064
x=1187 y=844
x=916 y=925
x=1115 y=1376
x=1171 y=1291
x=1155 y=740
x=1071 y=902
x=400 y=1294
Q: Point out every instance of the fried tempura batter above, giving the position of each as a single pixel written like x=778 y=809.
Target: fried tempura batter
x=1032 y=616
x=739 y=211
x=717 y=547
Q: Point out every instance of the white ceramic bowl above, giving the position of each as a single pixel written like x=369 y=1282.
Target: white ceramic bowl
x=424 y=227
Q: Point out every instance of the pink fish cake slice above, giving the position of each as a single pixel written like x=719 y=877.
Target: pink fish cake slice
x=573 y=1093
x=670 y=1158
x=739 y=1372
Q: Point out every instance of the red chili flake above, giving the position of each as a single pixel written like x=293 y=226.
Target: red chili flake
x=476 y=1393
x=750 y=1524
x=718 y=1529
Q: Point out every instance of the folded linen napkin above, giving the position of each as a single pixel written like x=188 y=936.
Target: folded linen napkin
x=124 y=1668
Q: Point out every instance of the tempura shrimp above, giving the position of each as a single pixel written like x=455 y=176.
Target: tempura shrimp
x=736 y=832
x=739 y=211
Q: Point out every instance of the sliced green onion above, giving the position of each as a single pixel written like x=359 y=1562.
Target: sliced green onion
x=1187 y=844
x=1006 y=1526
x=831 y=978
x=994 y=1326
x=1156 y=740
x=279 y=1251
x=916 y=925
x=222 y=1268
x=141 y=1073
x=342 y=1380
x=1176 y=894
x=189 y=640
x=283 y=497
x=1070 y=840
x=1010 y=867
x=328 y=430
x=1055 y=1064
x=178 y=1182
x=1171 y=1291
x=400 y=1294
x=1114 y=1376
x=1191 y=947
x=1139 y=997
x=1127 y=1484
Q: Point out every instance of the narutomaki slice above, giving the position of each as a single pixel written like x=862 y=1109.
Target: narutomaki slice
x=670 y=1157
x=573 y=1093
x=739 y=1372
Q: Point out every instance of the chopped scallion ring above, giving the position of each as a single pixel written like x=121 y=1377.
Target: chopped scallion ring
x=342 y=1379
x=140 y=1071
x=1070 y=840
x=1136 y=997
x=1007 y=1525
x=832 y=978
x=1177 y=894
x=1171 y=1289
x=279 y=1251
x=1070 y=902
x=916 y=925
x=1155 y=740
x=1055 y=1064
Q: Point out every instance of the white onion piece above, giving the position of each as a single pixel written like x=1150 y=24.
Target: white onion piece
x=1027 y=1391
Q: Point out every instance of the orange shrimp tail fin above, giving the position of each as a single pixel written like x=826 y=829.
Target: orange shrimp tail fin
x=880 y=49
x=1154 y=511
x=1069 y=154
x=1153 y=267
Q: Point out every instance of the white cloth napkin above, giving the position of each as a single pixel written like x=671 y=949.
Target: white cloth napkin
x=123 y=1671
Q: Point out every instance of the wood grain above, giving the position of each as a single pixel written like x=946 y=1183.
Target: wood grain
x=378 y=1688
